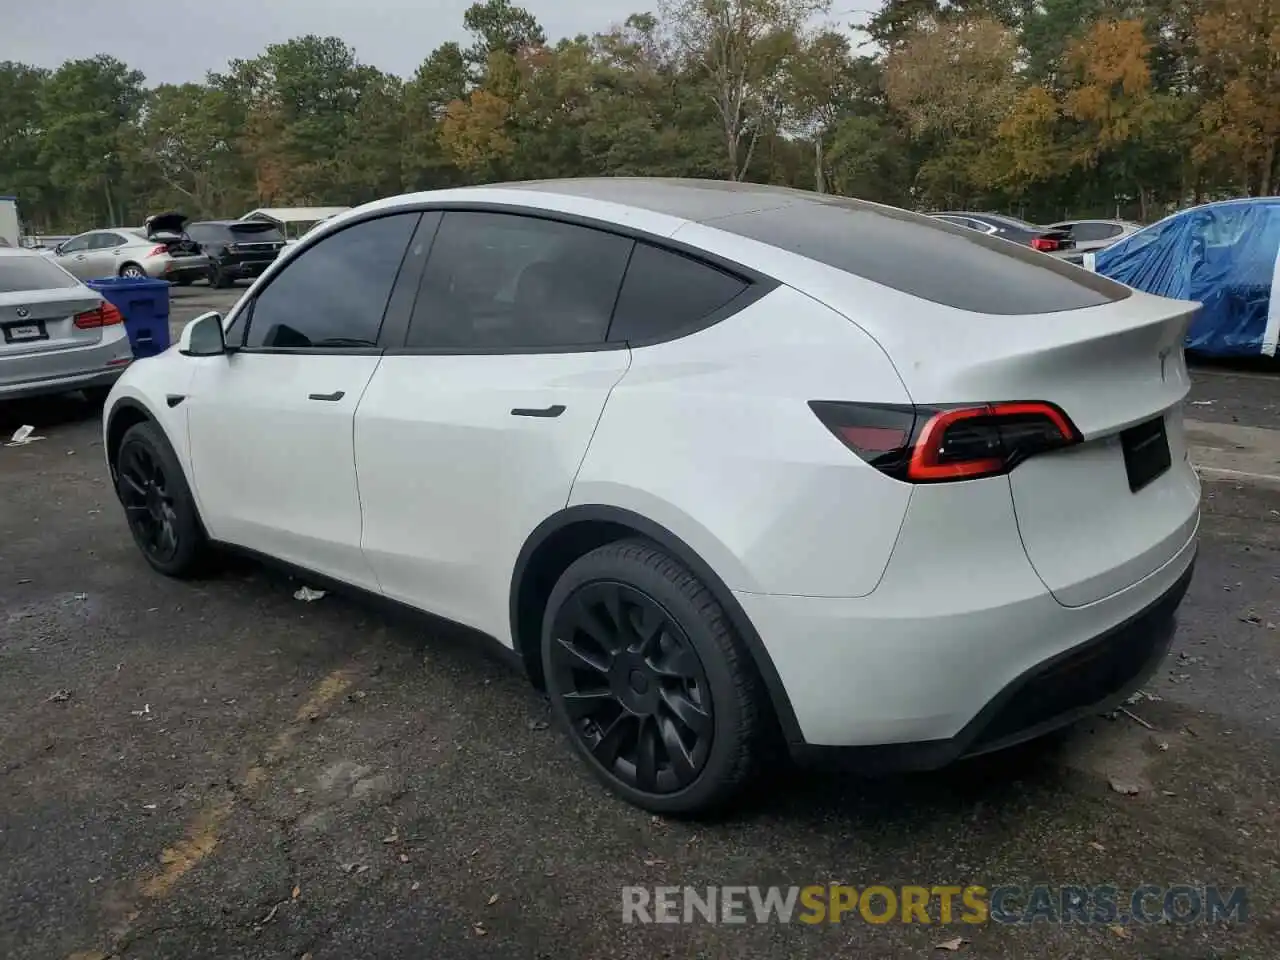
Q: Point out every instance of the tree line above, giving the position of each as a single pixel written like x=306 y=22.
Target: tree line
x=1044 y=108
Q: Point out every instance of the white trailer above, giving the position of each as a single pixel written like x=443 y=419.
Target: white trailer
x=9 y=221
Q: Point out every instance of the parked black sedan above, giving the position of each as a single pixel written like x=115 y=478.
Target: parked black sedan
x=237 y=249
x=1044 y=239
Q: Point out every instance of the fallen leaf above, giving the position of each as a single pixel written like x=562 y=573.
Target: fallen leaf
x=493 y=900
x=59 y=696
x=305 y=956
x=479 y=929
x=404 y=858
x=297 y=892
x=955 y=943
x=654 y=863
x=363 y=868
x=415 y=885
x=1121 y=932
x=1097 y=846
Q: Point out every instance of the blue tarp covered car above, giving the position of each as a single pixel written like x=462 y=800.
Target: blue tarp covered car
x=1224 y=255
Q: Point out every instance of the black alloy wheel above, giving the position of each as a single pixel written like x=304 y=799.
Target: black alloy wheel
x=159 y=508
x=633 y=687
x=650 y=681
x=148 y=501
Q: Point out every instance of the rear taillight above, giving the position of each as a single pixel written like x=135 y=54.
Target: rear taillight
x=105 y=315
x=936 y=444
x=1044 y=244
x=158 y=250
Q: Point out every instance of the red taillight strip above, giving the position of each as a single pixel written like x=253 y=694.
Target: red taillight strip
x=103 y=315
x=924 y=463
x=924 y=458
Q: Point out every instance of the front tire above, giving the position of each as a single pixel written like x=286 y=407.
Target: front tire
x=159 y=508
x=653 y=686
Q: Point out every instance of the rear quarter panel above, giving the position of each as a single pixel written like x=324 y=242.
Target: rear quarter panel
x=711 y=436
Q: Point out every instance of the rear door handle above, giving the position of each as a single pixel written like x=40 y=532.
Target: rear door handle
x=553 y=411
x=336 y=395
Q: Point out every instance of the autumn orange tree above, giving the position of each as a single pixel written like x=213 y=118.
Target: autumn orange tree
x=1239 y=60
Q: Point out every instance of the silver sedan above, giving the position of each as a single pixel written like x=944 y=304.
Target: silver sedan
x=56 y=334
x=160 y=250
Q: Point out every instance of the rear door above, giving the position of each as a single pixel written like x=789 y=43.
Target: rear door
x=103 y=257
x=472 y=432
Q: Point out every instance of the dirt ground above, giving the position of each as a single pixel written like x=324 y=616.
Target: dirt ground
x=217 y=769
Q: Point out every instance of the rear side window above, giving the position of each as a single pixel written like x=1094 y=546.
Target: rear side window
x=925 y=258
x=497 y=281
x=333 y=294
x=19 y=274
x=665 y=293
x=253 y=233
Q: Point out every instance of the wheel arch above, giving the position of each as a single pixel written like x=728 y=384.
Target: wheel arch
x=563 y=537
x=125 y=413
x=129 y=263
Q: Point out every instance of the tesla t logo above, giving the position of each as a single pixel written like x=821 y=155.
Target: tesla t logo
x=23 y=313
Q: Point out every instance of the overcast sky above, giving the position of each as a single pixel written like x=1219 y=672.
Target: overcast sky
x=180 y=40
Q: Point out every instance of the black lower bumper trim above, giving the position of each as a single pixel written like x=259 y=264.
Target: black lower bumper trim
x=1091 y=678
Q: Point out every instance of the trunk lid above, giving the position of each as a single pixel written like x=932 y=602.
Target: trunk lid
x=1112 y=367
x=1099 y=516
x=41 y=321
x=169 y=229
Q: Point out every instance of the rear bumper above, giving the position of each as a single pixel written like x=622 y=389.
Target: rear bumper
x=59 y=371
x=1094 y=677
x=176 y=268
x=958 y=625
x=243 y=269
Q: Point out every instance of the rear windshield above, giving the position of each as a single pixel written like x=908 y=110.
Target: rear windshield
x=19 y=274
x=925 y=257
x=256 y=232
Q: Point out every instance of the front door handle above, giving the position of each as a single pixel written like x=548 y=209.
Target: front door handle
x=336 y=395
x=553 y=411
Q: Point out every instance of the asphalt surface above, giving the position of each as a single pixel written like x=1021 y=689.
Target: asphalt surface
x=217 y=769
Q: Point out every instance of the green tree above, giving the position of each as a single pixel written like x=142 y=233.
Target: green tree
x=88 y=108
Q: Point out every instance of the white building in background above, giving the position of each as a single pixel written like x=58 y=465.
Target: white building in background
x=294 y=221
x=9 y=229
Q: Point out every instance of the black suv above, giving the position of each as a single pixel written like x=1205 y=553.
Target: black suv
x=237 y=249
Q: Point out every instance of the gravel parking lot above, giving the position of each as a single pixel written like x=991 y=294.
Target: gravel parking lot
x=217 y=769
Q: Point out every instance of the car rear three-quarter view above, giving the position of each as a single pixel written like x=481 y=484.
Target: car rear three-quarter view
x=726 y=466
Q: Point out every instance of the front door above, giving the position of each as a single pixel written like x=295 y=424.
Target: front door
x=271 y=423
x=471 y=434
x=73 y=256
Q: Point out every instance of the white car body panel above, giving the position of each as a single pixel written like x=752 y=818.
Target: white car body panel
x=755 y=476
x=453 y=483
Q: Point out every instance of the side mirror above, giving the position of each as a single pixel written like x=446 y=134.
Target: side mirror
x=202 y=337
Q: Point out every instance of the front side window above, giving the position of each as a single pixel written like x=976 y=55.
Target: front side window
x=333 y=295
x=497 y=281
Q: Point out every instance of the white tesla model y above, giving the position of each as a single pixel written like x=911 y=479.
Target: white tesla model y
x=721 y=465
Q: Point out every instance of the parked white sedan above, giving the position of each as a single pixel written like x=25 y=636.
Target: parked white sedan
x=719 y=464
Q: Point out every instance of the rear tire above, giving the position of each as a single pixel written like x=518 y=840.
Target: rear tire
x=159 y=508
x=653 y=686
x=132 y=271
x=218 y=278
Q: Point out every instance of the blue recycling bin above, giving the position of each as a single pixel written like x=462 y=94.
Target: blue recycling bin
x=145 y=306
